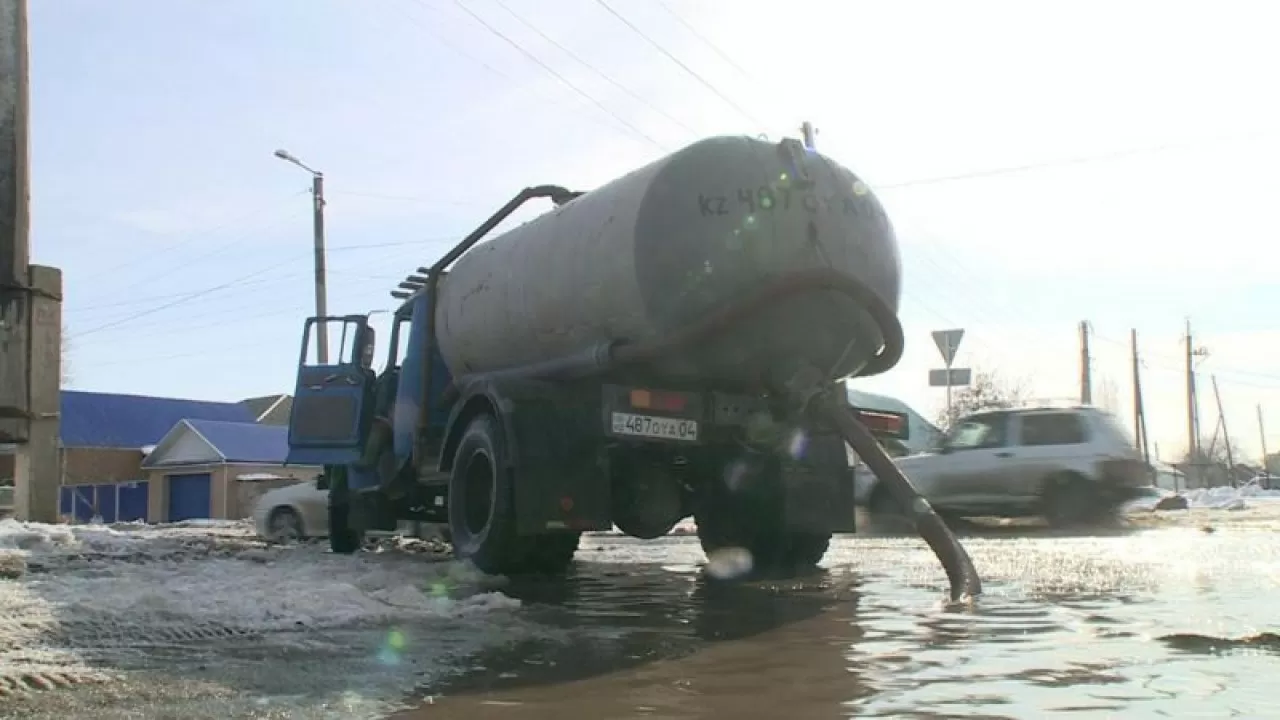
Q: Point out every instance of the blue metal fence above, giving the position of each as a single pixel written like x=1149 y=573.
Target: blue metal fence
x=113 y=502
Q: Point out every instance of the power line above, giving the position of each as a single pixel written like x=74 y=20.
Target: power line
x=1064 y=162
x=148 y=299
x=594 y=69
x=180 y=300
x=558 y=76
x=135 y=261
x=444 y=40
x=706 y=83
x=694 y=31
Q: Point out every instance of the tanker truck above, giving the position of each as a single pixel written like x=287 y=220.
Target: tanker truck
x=672 y=344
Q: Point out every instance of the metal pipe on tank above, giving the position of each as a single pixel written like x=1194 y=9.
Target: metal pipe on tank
x=559 y=196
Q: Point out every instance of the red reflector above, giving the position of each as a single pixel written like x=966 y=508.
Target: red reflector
x=653 y=400
x=671 y=402
x=566 y=504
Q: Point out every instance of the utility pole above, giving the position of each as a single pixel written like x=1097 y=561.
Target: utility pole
x=1086 y=378
x=30 y=296
x=1226 y=436
x=1262 y=435
x=14 y=217
x=317 y=198
x=1139 y=413
x=809 y=133
x=1193 y=437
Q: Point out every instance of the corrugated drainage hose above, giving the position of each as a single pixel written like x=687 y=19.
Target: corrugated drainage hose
x=813 y=393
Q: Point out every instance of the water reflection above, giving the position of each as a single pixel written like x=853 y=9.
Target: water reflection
x=1094 y=627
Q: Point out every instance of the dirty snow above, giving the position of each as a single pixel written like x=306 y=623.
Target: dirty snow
x=87 y=605
x=1216 y=498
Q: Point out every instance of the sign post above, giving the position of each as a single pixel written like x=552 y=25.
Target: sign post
x=948 y=342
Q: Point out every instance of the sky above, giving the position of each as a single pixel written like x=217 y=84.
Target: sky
x=1042 y=165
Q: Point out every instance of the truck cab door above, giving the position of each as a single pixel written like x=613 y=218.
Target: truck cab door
x=332 y=402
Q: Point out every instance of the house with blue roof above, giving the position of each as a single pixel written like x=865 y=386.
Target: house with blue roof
x=105 y=437
x=217 y=469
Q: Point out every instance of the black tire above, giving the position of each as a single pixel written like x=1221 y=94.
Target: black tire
x=343 y=539
x=1069 y=500
x=482 y=514
x=750 y=518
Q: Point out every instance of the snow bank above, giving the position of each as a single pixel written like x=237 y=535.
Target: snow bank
x=1217 y=498
x=76 y=594
x=222 y=574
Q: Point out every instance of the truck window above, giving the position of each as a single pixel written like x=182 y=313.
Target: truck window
x=1055 y=428
x=341 y=342
x=401 y=340
x=977 y=432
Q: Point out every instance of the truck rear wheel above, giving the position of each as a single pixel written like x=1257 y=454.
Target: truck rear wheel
x=750 y=517
x=482 y=513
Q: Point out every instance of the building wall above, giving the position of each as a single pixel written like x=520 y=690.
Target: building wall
x=229 y=498
x=81 y=466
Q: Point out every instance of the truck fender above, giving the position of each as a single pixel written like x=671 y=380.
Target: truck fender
x=475 y=397
x=551 y=434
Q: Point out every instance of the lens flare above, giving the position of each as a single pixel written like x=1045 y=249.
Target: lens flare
x=798 y=444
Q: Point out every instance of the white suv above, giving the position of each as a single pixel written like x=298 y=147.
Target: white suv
x=1070 y=465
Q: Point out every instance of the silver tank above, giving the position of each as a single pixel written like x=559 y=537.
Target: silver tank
x=671 y=242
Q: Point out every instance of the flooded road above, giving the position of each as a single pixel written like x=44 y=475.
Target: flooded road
x=1167 y=617
x=1169 y=621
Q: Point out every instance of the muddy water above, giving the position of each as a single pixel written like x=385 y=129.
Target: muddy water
x=1167 y=621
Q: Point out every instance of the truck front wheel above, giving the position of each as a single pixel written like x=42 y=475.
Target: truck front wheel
x=343 y=538
x=482 y=513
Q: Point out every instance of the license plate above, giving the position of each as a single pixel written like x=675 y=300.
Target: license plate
x=659 y=428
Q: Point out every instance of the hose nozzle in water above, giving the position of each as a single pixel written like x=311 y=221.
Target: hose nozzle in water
x=812 y=392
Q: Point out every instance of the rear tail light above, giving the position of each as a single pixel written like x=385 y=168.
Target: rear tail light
x=658 y=400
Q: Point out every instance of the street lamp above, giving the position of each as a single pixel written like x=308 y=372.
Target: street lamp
x=317 y=195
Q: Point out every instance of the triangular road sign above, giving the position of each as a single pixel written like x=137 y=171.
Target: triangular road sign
x=948 y=342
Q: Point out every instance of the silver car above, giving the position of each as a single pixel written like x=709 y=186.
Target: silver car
x=1070 y=465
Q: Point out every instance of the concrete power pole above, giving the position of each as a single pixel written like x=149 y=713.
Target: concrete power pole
x=1139 y=412
x=30 y=296
x=1086 y=377
x=317 y=226
x=1262 y=435
x=1193 y=404
x=1226 y=436
x=14 y=245
x=322 y=305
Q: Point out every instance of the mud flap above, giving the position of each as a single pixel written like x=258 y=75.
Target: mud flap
x=553 y=440
x=818 y=488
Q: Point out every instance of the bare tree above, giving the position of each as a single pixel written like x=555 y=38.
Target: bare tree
x=986 y=391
